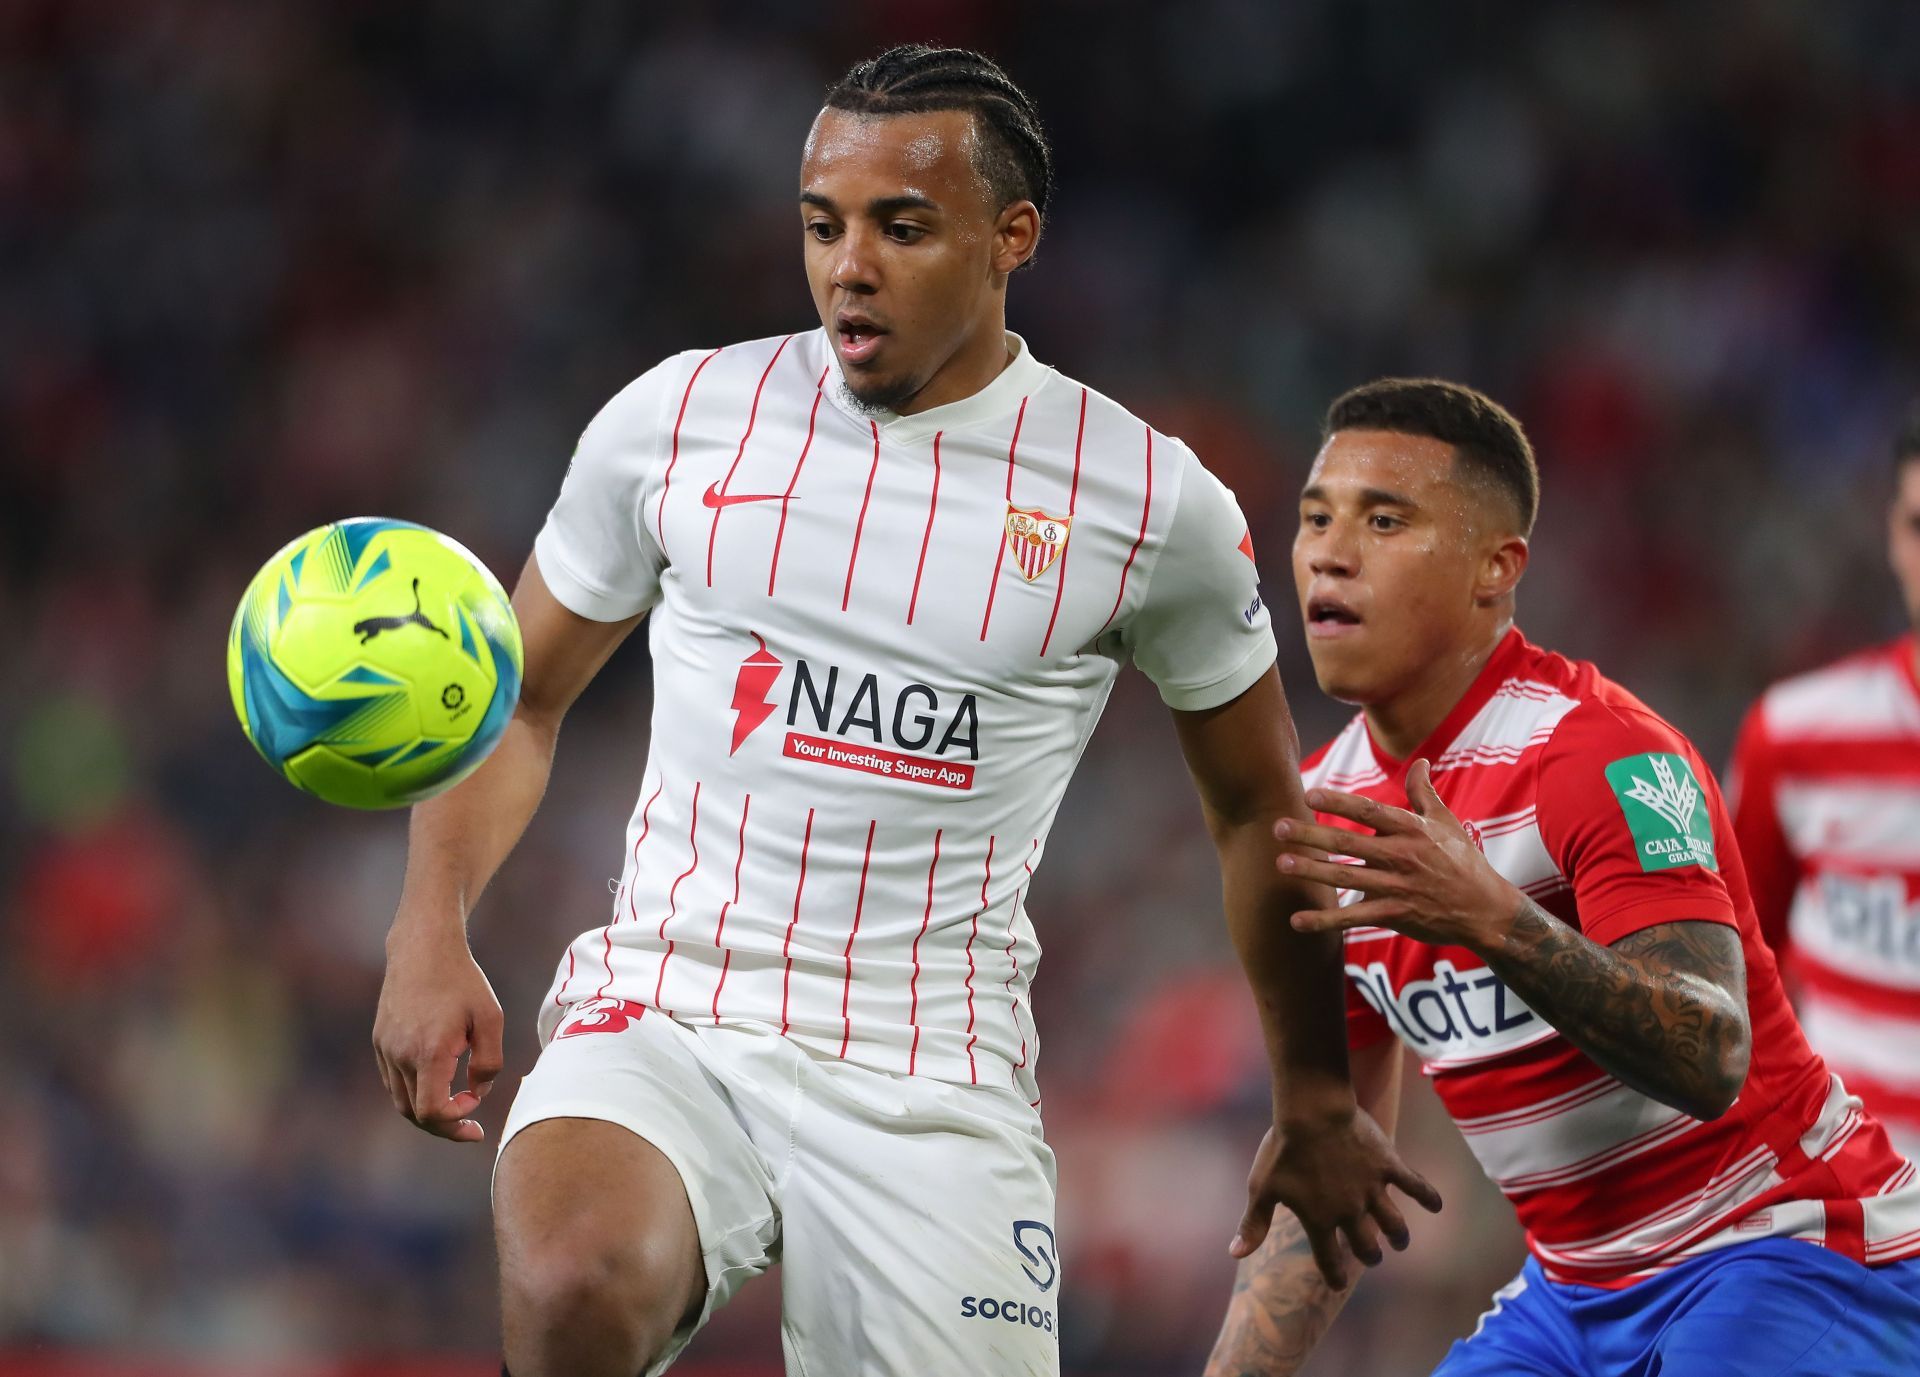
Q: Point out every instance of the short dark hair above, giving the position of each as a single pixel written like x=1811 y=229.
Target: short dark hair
x=1906 y=445
x=1483 y=433
x=1015 y=157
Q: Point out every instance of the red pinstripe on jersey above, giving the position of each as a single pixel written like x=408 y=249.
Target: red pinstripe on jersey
x=773 y=566
x=786 y=947
x=1146 y=510
x=846 y=990
x=933 y=505
x=1000 y=535
x=634 y=865
x=913 y=986
x=860 y=526
x=906 y=709
x=673 y=896
x=1013 y=912
x=726 y=484
x=973 y=1072
x=1073 y=502
x=666 y=482
x=719 y=928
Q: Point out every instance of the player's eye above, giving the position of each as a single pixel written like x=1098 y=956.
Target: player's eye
x=820 y=229
x=1318 y=521
x=902 y=233
x=1380 y=521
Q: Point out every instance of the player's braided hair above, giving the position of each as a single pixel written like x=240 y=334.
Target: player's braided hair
x=1482 y=432
x=912 y=79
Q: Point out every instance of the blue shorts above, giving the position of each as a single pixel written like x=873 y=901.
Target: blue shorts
x=1775 y=1307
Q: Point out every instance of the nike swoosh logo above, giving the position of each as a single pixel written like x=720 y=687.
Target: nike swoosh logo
x=716 y=499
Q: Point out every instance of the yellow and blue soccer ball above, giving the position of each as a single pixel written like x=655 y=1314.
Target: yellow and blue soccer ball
x=374 y=663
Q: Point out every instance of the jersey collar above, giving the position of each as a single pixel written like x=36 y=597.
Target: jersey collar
x=1500 y=665
x=1021 y=378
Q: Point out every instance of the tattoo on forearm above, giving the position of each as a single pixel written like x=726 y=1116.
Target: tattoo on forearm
x=1664 y=1010
x=1281 y=1308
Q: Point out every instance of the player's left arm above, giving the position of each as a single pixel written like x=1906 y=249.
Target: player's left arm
x=1325 y=1158
x=1663 y=1008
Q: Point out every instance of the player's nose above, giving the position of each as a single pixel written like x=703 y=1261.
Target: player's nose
x=1333 y=552
x=856 y=266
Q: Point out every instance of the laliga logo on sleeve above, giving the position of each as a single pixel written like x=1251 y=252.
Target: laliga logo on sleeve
x=1037 y=1252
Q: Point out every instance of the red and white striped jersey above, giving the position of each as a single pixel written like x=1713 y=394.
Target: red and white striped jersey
x=880 y=643
x=1585 y=799
x=1825 y=793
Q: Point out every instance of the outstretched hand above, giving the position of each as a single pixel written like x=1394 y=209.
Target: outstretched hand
x=1421 y=871
x=1334 y=1178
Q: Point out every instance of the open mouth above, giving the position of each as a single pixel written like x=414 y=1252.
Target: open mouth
x=859 y=337
x=1330 y=617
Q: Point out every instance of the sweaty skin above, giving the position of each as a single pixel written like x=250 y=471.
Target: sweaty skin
x=1406 y=568
x=907 y=257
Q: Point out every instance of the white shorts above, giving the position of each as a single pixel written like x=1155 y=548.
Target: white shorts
x=914 y=1218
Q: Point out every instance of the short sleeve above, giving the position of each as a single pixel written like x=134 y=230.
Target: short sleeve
x=1631 y=817
x=596 y=551
x=1773 y=871
x=1202 y=633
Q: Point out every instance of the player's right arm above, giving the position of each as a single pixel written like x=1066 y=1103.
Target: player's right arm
x=1282 y=1306
x=435 y=1002
x=594 y=572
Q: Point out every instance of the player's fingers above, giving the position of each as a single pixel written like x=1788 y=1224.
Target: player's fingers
x=1366 y=878
x=1420 y=1190
x=430 y=1091
x=487 y=1058
x=1422 y=795
x=390 y=1080
x=1326 y=1255
x=1333 y=841
x=1365 y=811
x=1253 y=1227
x=1364 y=1239
x=1367 y=913
x=1393 y=1224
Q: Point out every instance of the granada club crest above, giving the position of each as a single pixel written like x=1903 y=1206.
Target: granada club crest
x=1035 y=539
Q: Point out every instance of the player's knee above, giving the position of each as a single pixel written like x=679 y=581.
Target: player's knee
x=621 y=1298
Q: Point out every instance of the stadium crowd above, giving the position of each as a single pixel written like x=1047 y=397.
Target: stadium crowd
x=267 y=263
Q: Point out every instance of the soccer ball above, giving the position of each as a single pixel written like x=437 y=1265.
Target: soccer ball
x=374 y=663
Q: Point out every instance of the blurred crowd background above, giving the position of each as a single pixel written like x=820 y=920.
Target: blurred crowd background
x=264 y=263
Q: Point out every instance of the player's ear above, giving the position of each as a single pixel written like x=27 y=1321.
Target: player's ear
x=1016 y=234
x=1501 y=566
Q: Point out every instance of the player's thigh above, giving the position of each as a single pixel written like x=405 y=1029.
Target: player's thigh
x=622 y=1149
x=918 y=1234
x=1523 y=1334
x=585 y=1202
x=1786 y=1308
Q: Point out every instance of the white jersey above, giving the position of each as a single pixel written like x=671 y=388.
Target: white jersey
x=880 y=643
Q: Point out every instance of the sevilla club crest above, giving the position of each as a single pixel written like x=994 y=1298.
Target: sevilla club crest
x=1035 y=539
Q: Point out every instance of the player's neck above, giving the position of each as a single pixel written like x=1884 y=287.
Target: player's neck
x=1400 y=724
x=974 y=364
